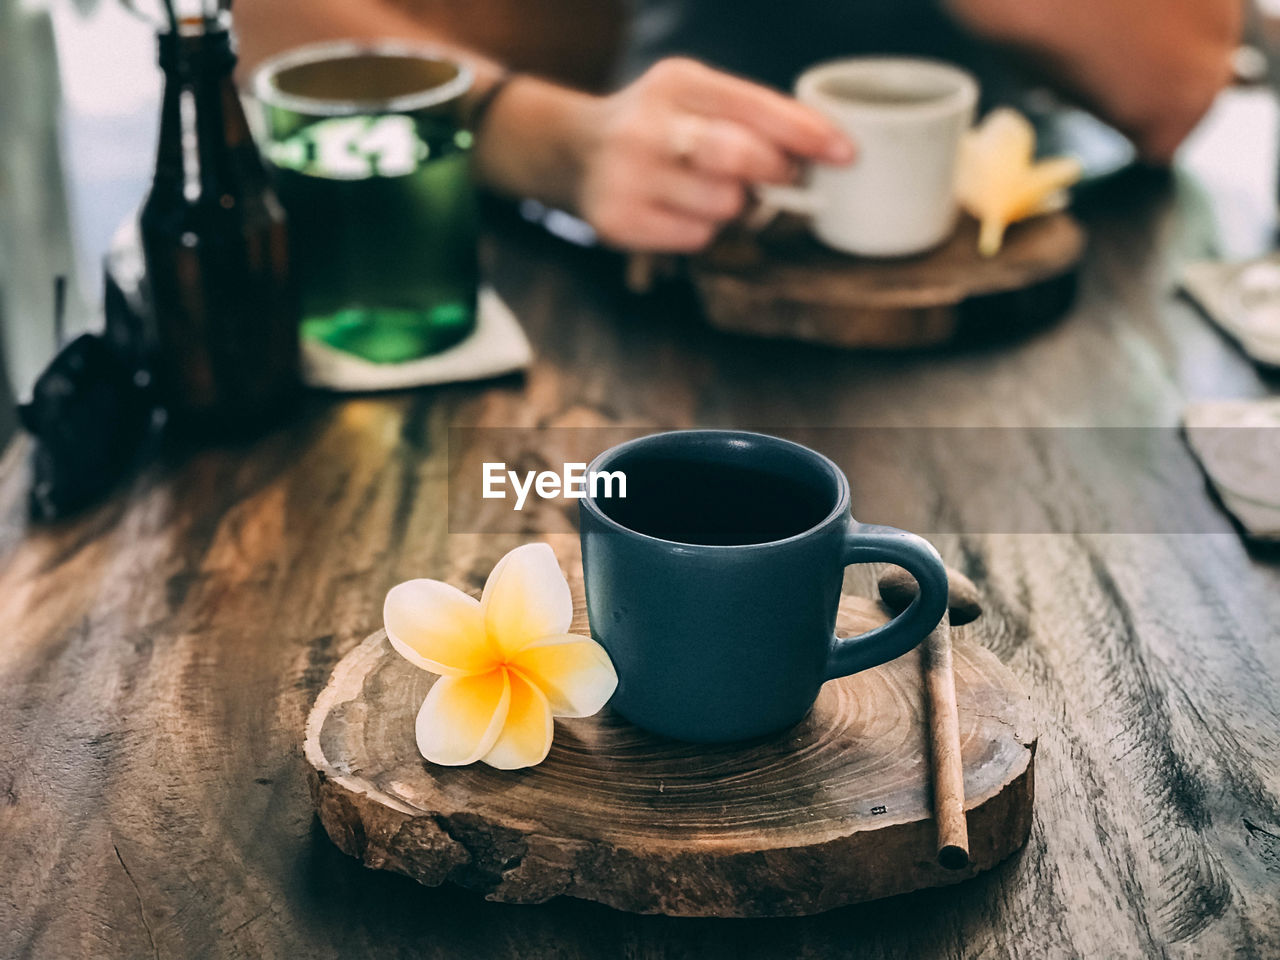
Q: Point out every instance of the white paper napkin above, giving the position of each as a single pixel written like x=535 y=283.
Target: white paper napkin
x=497 y=346
x=1238 y=444
x=1243 y=299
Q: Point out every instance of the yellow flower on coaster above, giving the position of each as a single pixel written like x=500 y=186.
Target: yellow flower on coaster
x=507 y=662
x=998 y=180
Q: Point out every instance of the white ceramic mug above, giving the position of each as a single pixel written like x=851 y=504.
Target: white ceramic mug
x=906 y=117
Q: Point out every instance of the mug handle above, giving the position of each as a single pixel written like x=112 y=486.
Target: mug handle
x=776 y=198
x=793 y=199
x=870 y=543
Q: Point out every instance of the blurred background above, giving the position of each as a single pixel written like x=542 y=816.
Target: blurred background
x=79 y=109
x=79 y=102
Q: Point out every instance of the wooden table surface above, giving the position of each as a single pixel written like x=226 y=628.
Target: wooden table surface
x=160 y=652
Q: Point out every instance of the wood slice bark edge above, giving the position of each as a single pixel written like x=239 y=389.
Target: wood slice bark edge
x=783 y=284
x=463 y=826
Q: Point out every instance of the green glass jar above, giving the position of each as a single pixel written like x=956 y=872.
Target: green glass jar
x=370 y=153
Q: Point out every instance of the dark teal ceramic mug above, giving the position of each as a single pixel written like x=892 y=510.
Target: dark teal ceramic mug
x=714 y=582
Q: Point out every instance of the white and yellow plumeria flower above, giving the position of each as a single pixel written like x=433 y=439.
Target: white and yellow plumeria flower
x=999 y=181
x=507 y=662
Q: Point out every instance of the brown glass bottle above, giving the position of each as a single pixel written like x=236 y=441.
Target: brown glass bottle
x=216 y=247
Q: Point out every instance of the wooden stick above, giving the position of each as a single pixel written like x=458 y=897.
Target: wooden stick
x=944 y=748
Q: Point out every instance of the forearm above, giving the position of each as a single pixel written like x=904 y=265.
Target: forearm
x=1151 y=67
x=659 y=165
x=533 y=139
x=267 y=27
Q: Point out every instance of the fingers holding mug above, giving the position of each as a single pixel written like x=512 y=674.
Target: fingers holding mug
x=696 y=194
x=723 y=148
x=792 y=126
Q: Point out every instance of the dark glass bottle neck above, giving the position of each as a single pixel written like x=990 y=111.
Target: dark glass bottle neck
x=197 y=50
x=204 y=137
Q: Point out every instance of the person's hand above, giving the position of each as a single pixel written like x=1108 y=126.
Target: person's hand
x=665 y=162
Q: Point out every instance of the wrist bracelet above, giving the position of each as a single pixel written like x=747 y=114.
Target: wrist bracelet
x=484 y=103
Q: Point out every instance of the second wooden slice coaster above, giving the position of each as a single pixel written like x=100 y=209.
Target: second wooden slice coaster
x=781 y=283
x=833 y=811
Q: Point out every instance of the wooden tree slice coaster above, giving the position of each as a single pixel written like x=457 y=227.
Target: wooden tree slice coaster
x=831 y=812
x=782 y=283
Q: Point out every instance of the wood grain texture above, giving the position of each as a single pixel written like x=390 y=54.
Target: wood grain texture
x=833 y=811
x=161 y=652
x=782 y=283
